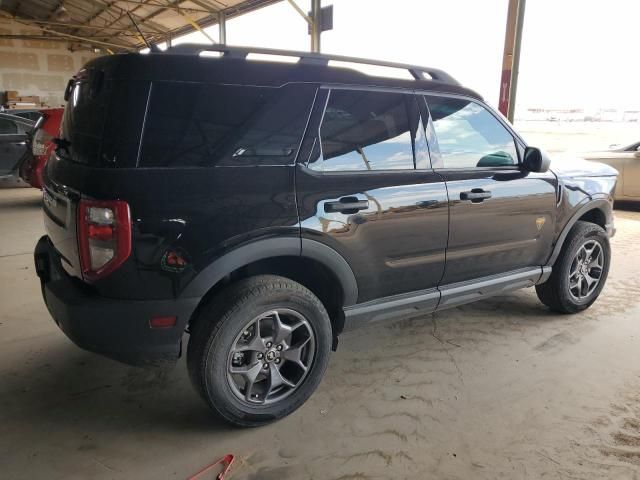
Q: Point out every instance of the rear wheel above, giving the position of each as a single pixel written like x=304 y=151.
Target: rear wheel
x=259 y=349
x=580 y=272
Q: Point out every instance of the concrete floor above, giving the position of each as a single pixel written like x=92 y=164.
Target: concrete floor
x=498 y=389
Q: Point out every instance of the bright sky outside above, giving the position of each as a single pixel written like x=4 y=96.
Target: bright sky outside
x=575 y=53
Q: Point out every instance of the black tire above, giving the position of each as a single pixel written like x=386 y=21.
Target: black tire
x=222 y=324
x=555 y=293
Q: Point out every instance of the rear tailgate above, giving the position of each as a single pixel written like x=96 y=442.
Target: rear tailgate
x=60 y=213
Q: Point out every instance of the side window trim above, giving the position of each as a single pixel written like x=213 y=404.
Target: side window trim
x=316 y=140
x=432 y=139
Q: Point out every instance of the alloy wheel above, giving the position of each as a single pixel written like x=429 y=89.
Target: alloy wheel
x=586 y=270
x=271 y=357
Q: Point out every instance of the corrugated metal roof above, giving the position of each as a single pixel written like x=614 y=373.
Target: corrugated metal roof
x=105 y=23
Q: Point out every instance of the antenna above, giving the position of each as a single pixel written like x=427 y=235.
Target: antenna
x=151 y=46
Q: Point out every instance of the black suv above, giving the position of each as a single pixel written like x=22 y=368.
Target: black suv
x=265 y=206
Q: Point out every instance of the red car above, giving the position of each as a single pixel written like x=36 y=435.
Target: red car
x=46 y=130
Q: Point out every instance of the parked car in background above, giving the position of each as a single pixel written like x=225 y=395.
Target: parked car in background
x=46 y=129
x=627 y=161
x=34 y=115
x=15 y=132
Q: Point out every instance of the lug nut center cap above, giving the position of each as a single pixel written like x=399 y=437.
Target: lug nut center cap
x=270 y=355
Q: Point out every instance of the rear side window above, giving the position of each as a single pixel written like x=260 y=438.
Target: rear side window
x=368 y=130
x=468 y=136
x=201 y=125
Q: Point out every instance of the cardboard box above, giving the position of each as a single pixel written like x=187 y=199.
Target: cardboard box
x=22 y=106
x=11 y=95
x=27 y=99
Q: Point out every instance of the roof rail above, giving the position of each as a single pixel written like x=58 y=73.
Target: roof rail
x=416 y=72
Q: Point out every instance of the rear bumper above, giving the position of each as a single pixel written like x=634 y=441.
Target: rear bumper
x=118 y=329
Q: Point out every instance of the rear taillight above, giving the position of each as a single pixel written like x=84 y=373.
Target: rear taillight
x=104 y=236
x=39 y=144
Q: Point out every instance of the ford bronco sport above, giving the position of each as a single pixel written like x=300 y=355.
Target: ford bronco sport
x=264 y=207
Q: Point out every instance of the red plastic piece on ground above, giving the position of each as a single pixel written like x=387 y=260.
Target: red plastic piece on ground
x=225 y=461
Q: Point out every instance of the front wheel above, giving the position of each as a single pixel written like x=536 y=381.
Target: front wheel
x=259 y=349
x=580 y=271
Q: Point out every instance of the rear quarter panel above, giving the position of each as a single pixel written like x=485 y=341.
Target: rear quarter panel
x=199 y=213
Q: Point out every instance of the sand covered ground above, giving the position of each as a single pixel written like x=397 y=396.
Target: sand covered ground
x=496 y=389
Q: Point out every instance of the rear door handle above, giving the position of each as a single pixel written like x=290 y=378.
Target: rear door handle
x=346 y=205
x=476 y=195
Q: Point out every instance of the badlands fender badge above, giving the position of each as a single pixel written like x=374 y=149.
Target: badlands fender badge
x=540 y=222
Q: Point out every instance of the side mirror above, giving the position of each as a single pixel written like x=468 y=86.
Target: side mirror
x=535 y=160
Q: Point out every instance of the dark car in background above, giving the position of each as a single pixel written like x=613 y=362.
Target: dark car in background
x=15 y=134
x=265 y=207
x=41 y=143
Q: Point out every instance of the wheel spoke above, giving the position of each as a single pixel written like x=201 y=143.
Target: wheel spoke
x=250 y=374
x=593 y=280
x=582 y=253
x=579 y=285
x=281 y=331
x=597 y=260
x=255 y=345
x=276 y=379
x=589 y=281
x=294 y=354
x=585 y=287
x=573 y=271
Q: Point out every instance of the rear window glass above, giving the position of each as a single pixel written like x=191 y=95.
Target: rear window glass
x=84 y=115
x=207 y=125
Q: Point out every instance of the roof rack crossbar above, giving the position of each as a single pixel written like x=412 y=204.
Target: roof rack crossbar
x=416 y=71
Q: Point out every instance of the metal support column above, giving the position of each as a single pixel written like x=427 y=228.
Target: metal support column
x=511 y=58
x=316 y=28
x=222 y=25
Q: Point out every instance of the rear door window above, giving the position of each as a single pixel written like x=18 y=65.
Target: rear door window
x=368 y=130
x=202 y=125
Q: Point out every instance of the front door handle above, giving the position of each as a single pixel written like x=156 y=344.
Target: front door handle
x=476 y=195
x=346 y=205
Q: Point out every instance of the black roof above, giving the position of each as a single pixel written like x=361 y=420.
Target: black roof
x=184 y=63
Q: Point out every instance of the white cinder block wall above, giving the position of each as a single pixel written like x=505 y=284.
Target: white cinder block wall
x=37 y=67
